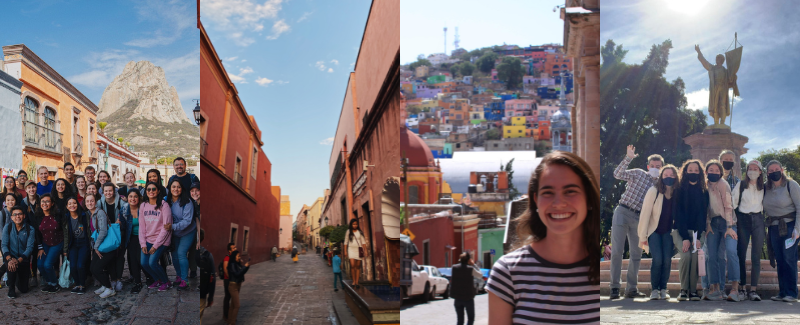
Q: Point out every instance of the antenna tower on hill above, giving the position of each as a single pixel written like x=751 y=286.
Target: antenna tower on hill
x=456 y=40
x=445 y=40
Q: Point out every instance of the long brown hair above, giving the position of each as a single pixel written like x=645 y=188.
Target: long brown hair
x=701 y=180
x=530 y=227
x=660 y=186
x=759 y=181
x=784 y=177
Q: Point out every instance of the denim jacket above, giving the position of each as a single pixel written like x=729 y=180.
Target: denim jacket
x=18 y=243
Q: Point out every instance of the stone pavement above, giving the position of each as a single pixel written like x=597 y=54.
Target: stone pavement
x=441 y=311
x=282 y=292
x=148 y=307
x=643 y=311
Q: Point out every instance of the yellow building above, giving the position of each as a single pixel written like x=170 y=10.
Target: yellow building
x=421 y=71
x=314 y=213
x=513 y=131
x=429 y=103
x=285 y=231
x=58 y=121
x=518 y=120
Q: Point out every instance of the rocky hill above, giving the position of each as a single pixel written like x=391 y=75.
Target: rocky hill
x=141 y=107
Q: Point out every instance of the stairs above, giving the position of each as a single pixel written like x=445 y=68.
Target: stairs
x=767 y=283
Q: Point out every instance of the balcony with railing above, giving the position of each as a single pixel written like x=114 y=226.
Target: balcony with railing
x=238 y=179
x=77 y=145
x=40 y=137
x=93 y=153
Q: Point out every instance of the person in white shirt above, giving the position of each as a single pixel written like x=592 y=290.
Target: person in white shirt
x=353 y=241
x=747 y=197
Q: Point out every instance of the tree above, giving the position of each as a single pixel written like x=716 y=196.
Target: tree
x=789 y=159
x=454 y=69
x=510 y=72
x=326 y=231
x=612 y=55
x=486 y=62
x=541 y=148
x=420 y=62
x=466 y=68
x=102 y=125
x=513 y=193
x=493 y=134
x=337 y=234
x=639 y=107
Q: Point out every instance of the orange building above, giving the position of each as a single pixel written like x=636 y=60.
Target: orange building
x=58 y=121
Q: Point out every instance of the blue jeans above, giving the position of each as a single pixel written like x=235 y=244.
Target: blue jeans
x=150 y=264
x=47 y=262
x=704 y=279
x=337 y=278
x=716 y=261
x=786 y=260
x=79 y=262
x=661 y=251
x=461 y=306
x=179 y=256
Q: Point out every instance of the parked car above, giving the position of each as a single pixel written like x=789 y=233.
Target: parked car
x=441 y=285
x=420 y=283
x=480 y=277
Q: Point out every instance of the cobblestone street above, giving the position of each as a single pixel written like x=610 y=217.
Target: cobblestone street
x=148 y=307
x=643 y=311
x=282 y=292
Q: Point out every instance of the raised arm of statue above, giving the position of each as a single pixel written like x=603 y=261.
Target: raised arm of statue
x=701 y=58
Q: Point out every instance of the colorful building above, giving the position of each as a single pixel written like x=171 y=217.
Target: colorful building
x=285 y=230
x=424 y=177
x=421 y=71
x=315 y=222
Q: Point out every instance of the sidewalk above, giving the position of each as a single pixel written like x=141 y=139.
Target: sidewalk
x=643 y=311
x=282 y=292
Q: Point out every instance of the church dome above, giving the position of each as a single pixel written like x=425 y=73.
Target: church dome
x=417 y=152
x=561 y=118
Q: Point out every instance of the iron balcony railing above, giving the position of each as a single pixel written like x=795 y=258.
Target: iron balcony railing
x=238 y=178
x=41 y=137
x=78 y=145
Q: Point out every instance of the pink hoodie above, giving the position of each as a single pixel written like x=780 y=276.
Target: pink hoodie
x=151 y=225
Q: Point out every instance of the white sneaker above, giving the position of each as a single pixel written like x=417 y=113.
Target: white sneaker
x=664 y=294
x=108 y=293
x=655 y=295
x=101 y=290
x=118 y=286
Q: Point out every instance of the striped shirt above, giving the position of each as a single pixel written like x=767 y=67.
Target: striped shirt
x=543 y=291
x=638 y=181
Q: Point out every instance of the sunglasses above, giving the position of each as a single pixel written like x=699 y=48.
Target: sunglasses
x=152 y=189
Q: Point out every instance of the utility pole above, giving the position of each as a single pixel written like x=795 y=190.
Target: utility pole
x=405 y=191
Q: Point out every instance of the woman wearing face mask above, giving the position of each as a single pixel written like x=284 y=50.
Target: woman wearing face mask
x=727 y=159
x=721 y=230
x=655 y=226
x=690 y=223
x=748 y=197
x=781 y=202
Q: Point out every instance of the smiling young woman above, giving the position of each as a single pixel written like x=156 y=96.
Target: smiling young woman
x=554 y=274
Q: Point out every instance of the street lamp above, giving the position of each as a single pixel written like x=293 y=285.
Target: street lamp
x=105 y=158
x=196 y=111
x=281 y=231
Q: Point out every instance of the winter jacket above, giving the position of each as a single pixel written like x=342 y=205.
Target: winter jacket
x=100 y=223
x=18 y=243
x=236 y=271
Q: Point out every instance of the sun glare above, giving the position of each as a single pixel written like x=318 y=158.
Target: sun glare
x=688 y=7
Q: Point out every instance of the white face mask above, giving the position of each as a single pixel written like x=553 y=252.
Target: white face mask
x=753 y=174
x=653 y=172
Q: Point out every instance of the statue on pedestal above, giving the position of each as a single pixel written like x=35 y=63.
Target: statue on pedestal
x=720 y=80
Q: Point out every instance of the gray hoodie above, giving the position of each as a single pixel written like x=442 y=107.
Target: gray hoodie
x=100 y=223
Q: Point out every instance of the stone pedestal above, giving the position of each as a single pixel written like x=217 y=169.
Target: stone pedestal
x=713 y=140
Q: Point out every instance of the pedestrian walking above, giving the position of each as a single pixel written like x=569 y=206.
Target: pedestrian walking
x=625 y=221
x=154 y=237
x=226 y=300
x=274 y=253
x=748 y=196
x=208 y=278
x=558 y=241
x=356 y=247
x=655 y=225
x=18 y=240
x=78 y=245
x=781 y=205
x=337 y=270
x=689 y=225
x=236 y=271
x=294 y=254
x=462 y=289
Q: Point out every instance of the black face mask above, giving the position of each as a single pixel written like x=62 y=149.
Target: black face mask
x=668 y=181
x=727 y=165
x=693 y=177
x=775 y=176
x=713 y=177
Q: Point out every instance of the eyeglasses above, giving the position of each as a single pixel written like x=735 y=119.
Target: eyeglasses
x=152 y=189
x=16 y=214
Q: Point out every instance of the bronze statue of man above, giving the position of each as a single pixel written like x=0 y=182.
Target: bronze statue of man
x=720 y=80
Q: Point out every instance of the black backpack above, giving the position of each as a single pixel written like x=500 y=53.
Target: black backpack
x=221 y=269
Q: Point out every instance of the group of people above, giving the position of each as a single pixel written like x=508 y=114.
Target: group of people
x=92 y=225
x=710 y=217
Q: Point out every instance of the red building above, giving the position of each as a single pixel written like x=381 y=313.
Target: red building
x=433 y=240
x=246 y=207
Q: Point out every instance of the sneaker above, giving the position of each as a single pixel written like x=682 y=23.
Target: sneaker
x=164 y=287
x=182 y=285
x=655 y=295
x=705 y=294
x=34 y=282
x=776 y=298
x=614 y=293
x=192 y=274
x=100 y=290
x=54 y=289
x=177 y=281
x=789 y=299
x=335 y=290
x=81 y=291
x=683 y=296
x=75 y=289
x=45 y=287
x=753 y=296
x=694 y=296
x=118 y=286
x=137 y=287
x=722 y=293
x=108 y=293
x=734 y=296
x=154 y=285
x=12 y=294
x=715 y=296
x=665 y=294
x=742 y=295
x=634 y=294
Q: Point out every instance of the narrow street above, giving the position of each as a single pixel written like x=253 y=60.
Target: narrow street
x=441 y=311
x=282 y=292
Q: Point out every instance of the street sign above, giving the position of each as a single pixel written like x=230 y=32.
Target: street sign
x=491 y=251
x=408 y=233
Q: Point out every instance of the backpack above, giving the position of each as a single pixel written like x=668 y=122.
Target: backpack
x=221 y=269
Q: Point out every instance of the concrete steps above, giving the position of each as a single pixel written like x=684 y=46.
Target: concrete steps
x=767 y=283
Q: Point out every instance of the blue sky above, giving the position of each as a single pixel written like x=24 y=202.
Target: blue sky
x=767 y=78
x=290 y=61
x=89 y=42
x=480 y=23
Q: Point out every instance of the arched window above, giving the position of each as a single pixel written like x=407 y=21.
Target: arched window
x=50 y=127
x=413 y=194
x=31 y=114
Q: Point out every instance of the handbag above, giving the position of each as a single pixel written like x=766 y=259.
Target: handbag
x=112 y=240
x=63 y=279
x=360 y=248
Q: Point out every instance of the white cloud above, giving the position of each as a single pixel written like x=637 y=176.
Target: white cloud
x=263 y=81
x=327 y=141
x=231 y=59
x=243 y=61
x=330 y=70
x=278 y=28
x=698 y=99
x=240 y=77
x=236 y=78
x=334 y=61
x=320 y=65
x=304 y=17
x=235 y=17
x=170 y=18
